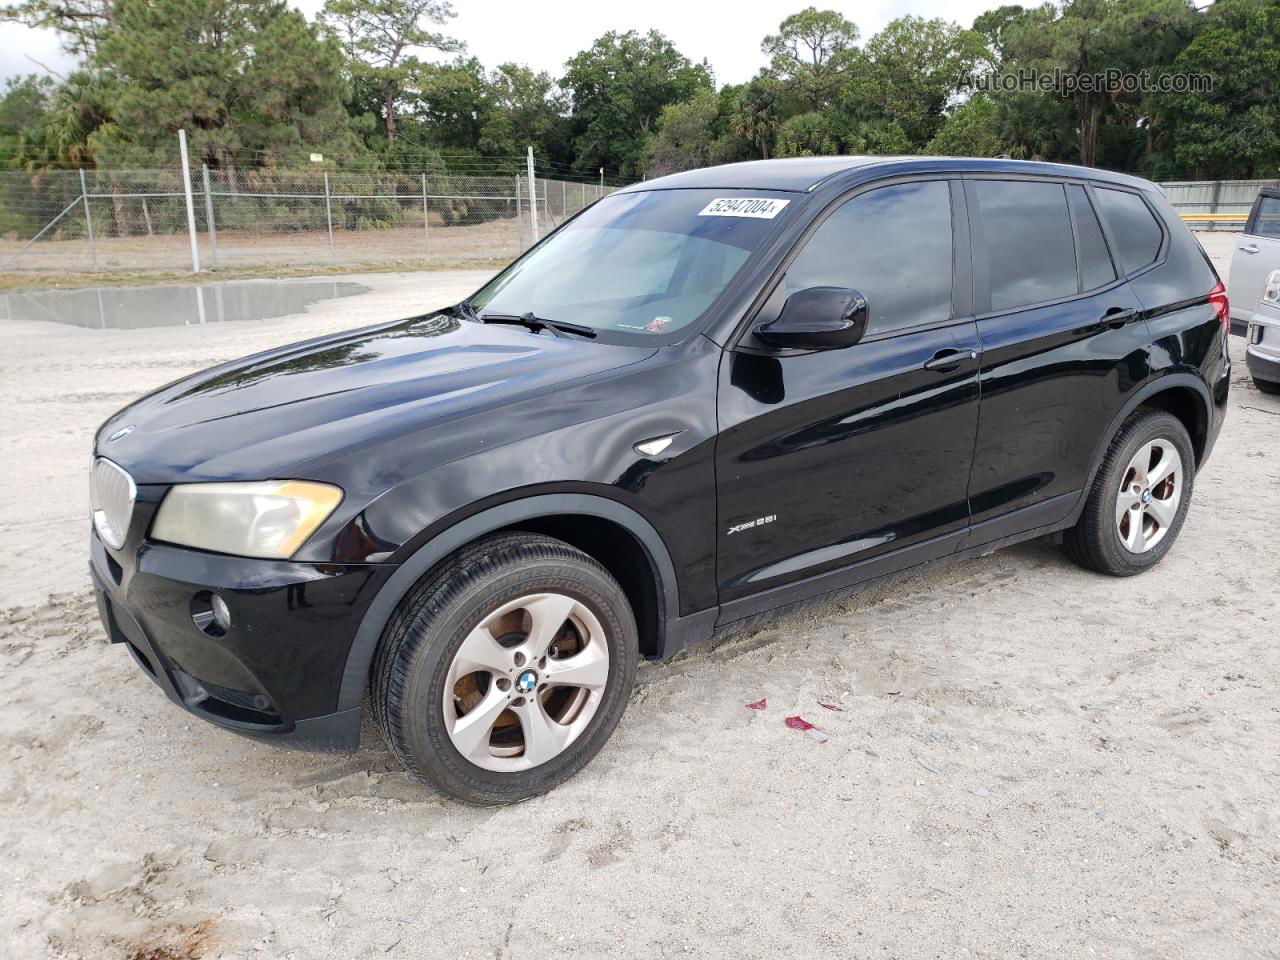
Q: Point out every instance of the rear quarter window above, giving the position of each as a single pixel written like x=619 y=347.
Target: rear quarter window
x=1095 y=263
x=1134 y=227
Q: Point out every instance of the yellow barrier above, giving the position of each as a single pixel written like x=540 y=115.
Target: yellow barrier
x=1215 y=217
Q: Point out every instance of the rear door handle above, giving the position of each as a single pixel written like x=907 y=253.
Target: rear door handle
x=1249 y=248
x=948 y=359
x=1117 y=317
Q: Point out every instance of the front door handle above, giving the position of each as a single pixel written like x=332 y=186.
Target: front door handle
x=1249 y=248
x=947 y=360
x=1117 y=317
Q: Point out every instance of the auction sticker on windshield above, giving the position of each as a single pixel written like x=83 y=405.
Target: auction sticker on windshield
x=759 y=207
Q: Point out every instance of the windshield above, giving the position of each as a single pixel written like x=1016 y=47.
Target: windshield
x=645 y=264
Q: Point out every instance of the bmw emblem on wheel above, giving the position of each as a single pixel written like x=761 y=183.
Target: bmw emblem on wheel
x=526 y=681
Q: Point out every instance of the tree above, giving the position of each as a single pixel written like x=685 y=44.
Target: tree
x=1086 y=38
x=684 y=138
x=523 y=108
x=810 y=51
x=879 y=136
x=22 y=112
x=994 y=24
x=238 y=75
x=80 y=116
x=449 y=103
x=755 y=114
x=380 y=37
x=1033 y=126
x=1024 y=126
x=807 y=135
x=1232 y=130
x=969 y=131
x=81 y=23
x=915 y=67
x=618 y=88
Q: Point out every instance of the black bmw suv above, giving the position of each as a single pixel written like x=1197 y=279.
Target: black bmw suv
x=704 y=399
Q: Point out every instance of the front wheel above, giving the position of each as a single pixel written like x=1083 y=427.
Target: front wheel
x=506 y=669
x=1139 y=498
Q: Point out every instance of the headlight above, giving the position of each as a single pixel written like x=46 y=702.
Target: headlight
x=1271 y=289
x=270 y=520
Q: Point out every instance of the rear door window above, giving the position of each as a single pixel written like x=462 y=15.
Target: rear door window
x=1133 y=226
x=891 y=244
x=1030 y=247
x=1095 y=262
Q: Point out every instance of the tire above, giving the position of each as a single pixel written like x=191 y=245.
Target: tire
x=1267 y=386
x=461 y=601
x=1105 y=537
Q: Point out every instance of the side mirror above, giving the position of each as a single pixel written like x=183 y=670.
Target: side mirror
x=819 y=318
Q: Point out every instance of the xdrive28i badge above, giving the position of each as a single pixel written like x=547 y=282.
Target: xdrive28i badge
x=750 y=524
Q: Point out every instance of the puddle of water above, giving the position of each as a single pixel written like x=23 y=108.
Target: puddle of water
x=134 y=308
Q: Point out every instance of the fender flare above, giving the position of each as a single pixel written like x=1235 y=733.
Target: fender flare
x=1160 y=384
x=356 y=672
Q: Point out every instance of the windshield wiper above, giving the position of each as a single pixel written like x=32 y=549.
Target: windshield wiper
x=536 y=323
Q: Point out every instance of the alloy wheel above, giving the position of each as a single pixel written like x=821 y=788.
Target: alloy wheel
x=1149 y=494
x=526 y=682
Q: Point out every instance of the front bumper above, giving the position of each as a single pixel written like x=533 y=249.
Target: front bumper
x=1262 y=353
x=275 y=672
x=1263 y=366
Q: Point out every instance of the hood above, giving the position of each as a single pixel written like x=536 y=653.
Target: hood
x=266 y=416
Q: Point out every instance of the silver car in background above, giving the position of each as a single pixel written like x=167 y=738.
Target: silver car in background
x=1257 y=253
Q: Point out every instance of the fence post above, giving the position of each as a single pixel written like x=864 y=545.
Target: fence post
x=208 y=216
x=191 y=209
x=426 y=232
x=533 y=197
x=328 y=216
x=564 y=199
x=519 y=209
x=88 y=220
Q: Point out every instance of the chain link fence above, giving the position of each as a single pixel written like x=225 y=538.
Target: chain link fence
x=73 y=221
x=137 y=220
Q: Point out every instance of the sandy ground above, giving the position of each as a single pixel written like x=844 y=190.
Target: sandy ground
x=1030 y=761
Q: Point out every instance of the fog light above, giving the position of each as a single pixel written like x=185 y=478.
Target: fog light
x=210 y=614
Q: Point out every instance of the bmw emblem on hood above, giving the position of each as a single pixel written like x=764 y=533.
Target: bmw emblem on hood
x=122 y=432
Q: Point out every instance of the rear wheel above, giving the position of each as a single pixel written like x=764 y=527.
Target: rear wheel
x=1266 y=386
x=1139 y=498
x=506 y=669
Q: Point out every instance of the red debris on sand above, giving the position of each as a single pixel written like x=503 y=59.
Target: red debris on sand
x=803 y=725
x=830 y=706
x=759 y=704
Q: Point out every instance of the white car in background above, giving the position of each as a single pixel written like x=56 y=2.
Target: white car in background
x=1257 y=253
x=1255 y=289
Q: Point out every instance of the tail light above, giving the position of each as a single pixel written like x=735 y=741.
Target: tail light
x=1218 y=299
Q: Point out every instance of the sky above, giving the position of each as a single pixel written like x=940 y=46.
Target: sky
x=544 y=36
